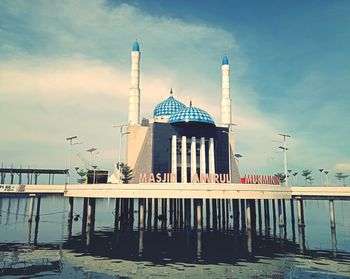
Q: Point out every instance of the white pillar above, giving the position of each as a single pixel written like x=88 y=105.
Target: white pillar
x=225 y=93
x=193 y=157
x=183 y=160
x=202 y=167
x=211 y=156
x=174 y=156
x=134 y=92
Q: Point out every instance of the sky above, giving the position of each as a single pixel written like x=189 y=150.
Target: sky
x=65 y=70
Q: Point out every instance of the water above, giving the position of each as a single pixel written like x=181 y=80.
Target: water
x=45 y=249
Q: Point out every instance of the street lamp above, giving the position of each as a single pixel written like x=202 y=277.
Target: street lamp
x=284 y=148
x=94 y=178
x=70 y=139
x=91 y=150
x=326 y=173
x=320 y=170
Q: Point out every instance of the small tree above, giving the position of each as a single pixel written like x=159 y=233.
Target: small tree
x=82 y=176
x=307 y=176
x=281 y=176
x=341 y=176
x=125 y=171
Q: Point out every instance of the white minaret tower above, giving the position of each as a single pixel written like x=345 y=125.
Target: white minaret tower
x=134 y=92
x=225 y=93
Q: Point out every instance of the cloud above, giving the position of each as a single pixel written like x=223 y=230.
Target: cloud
x=342 y=166
x=67 y=72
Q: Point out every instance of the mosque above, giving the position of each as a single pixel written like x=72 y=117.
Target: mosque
x=180 y=143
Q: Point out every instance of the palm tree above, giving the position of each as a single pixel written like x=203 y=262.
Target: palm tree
x=82 y=175
x=307 y=176
x=339 y=176
x=281 y=176
x=126 y=172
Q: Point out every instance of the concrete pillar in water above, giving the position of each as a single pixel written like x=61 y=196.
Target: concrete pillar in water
x=219 y=213
x=207 y=213
x=199 y=244
x=183 y=160
x=334 y=242
x=141 y=214
x=174 y=156
x=141 y=242
x=243 y=214
x=223 y=214
x=292 y=217
x=284 y=212
x=37 y=218
x=199 y=215
x=70 y=216
x=181 y=212
x=267 y=214
x=249 y=215
x=202 y=165
x=280 y=214
x=30 y=211
x=215 y=214
x=235 y=205
x=84 y=219
x=331 y=214
x=274 y=215
x=300 y=212
x=155 y=214
x=90 y=219
x=260 y=216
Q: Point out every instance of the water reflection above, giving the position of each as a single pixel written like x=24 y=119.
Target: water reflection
x=84 y=242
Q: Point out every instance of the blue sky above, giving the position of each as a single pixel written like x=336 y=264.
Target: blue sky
x=66 y=65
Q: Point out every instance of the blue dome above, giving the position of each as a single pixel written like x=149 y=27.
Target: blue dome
x=191 y=114
x=136 y=46
x=168 y=107
x=225 y=60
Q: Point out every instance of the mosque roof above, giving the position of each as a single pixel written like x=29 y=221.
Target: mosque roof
x=191 y=114
x=225 y=60
x=168 y=107
x=136 y=46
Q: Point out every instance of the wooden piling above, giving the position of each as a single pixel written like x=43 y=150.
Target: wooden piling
x=215 y=213
x=267 y=214
x=223 y=210
x=207 y=213
x=260 y=216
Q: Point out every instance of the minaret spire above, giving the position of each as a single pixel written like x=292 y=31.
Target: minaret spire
x=225 y=93
x=134 y=92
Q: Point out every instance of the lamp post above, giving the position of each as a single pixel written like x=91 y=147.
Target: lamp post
x=91 y=150
x=326 y=173
x=121 y=134
x=70 y=139
x=94 y=177
x=284 y=148
x=320 y=170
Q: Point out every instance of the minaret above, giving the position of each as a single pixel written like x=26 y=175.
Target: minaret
x=134 y=92
x=225 y=93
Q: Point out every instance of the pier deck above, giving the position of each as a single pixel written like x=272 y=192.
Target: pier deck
x=186 y=191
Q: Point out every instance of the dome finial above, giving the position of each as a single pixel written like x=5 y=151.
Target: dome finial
x=225 y=60
x=171 y=91
x=191 y=103
x=136 y=46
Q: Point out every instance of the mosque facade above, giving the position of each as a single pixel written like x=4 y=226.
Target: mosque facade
x=180 y=143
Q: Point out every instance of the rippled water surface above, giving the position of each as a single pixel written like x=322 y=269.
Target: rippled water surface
x=45 y=248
